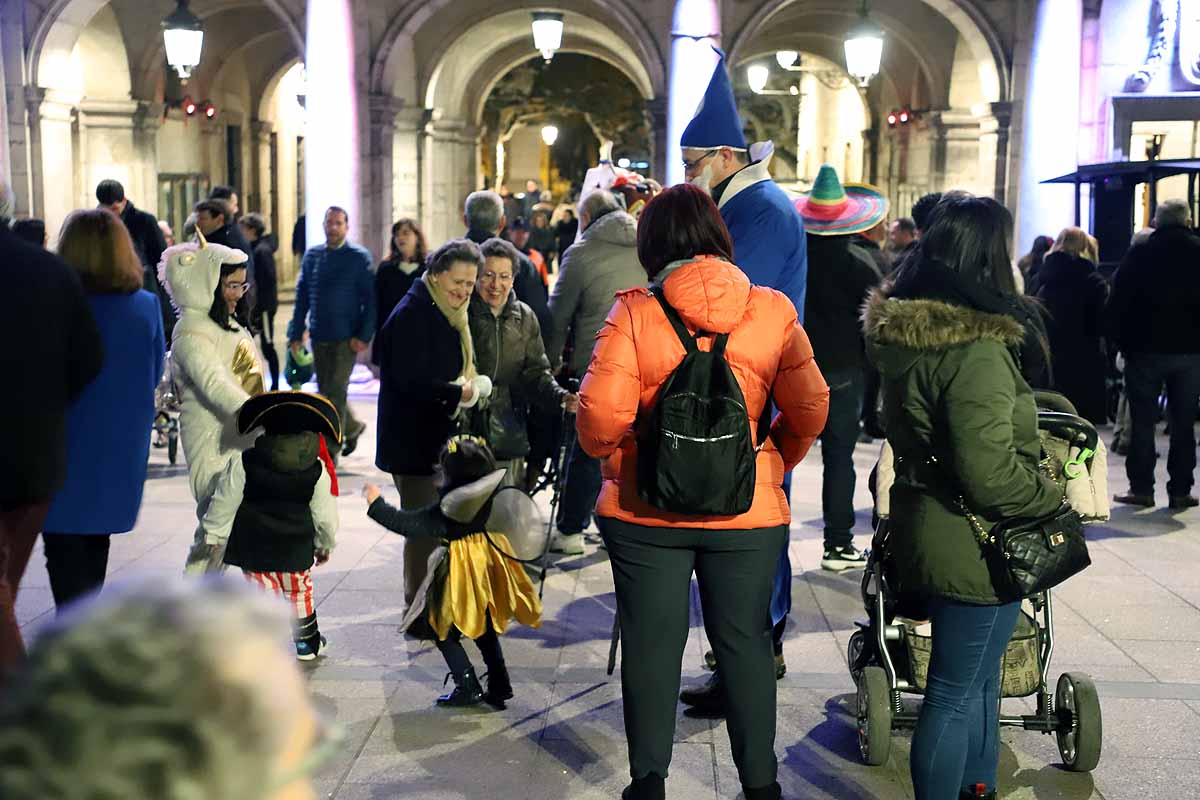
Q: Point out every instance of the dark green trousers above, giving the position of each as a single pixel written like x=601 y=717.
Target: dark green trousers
x=333 y=362
x=652 y=569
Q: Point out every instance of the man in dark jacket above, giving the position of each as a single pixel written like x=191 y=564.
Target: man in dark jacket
x=148 y=241
x=840 y=275
x=336 y=285
x=602 y=263
x=215 y=220
x=266 y=289
x=1153 y=315
x=484 y=217
x=44 y=375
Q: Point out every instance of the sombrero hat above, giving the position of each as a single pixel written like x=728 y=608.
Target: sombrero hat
x=834 y=209
x=290 y=412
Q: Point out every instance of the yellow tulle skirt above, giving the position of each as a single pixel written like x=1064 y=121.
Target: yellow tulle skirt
x=480 y=582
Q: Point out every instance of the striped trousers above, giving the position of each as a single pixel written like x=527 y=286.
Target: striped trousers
x=294 y=587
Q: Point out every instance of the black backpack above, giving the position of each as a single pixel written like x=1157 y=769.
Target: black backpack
x=695 y=452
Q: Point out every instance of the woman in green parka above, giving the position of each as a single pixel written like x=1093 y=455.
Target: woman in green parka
x=949 y=336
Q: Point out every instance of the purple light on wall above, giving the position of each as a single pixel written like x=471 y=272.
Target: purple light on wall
x=331 y=130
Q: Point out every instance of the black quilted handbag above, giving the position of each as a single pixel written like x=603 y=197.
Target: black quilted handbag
x=1038 y=553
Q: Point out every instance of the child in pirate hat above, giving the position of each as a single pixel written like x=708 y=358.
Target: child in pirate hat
x=474 y=586
x=274 y=508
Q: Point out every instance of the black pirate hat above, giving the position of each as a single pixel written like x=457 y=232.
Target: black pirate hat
x=290 y=412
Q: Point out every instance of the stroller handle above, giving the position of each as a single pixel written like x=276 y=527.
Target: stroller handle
x=1077 y=431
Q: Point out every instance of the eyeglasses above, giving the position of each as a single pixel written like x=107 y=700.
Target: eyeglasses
x=240 y=288
x=492 y=277
x=696 y=162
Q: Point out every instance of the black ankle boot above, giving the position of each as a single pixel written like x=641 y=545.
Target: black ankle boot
x=978 y=792
x=467 y=691
x=770 y=792
x=651 y=787
x=499 y=687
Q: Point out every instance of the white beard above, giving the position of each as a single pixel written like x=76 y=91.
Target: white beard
x=704 y=179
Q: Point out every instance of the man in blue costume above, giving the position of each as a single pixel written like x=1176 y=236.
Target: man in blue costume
x=769 y=245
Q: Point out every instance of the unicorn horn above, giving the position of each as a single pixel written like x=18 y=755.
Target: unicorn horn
x=203 y=241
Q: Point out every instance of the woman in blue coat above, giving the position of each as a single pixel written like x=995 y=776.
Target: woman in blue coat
x=108 y=427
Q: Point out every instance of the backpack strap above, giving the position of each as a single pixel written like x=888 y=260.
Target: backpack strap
x=689 y=341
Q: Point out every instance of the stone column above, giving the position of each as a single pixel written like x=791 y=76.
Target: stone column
x=106 y=149
x=407 y=152
x=1050 y=121
x=695 y=30
x=956 y=152
x=449 y=169
x=994 y=120
x=259 y=195
x=147 y=119
x=56 y=187
x=379 y=172
x=657 y=111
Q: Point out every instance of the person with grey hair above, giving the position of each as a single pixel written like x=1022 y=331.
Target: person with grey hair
x=170 y=690
x=509 y=350
x=603 y=262
x=483 y=214
x=1153 y=314
x=427 y=376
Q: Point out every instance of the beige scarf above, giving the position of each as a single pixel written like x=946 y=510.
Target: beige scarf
x=459 y=319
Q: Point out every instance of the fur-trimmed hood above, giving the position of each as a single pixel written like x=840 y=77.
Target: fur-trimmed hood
x=900 y=331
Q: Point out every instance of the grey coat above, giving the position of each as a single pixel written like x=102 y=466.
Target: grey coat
x=603 y=262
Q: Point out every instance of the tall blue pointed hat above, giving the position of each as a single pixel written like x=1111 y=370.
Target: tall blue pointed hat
x=716 y=123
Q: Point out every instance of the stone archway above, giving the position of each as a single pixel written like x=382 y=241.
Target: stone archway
x=970 y=22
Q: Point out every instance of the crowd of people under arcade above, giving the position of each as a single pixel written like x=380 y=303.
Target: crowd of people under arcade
x=539 y=330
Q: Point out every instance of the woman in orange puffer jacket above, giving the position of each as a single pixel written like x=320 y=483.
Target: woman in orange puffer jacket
x=685 y=248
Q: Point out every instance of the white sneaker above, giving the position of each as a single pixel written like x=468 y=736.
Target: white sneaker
x=568 y=544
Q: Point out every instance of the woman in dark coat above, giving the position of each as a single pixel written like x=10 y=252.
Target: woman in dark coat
x=509 y=350
x=108 y=426
x=397 y=272
x=947 y=337
x=426 y=376
x=265 y=289
x=1074 y=293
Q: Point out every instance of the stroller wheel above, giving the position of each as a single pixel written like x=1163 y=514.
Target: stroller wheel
x=1078 y=706
x=874 y=716
x=172 y=446
x=854 y=651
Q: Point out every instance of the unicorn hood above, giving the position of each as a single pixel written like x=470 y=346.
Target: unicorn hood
x=191 y=271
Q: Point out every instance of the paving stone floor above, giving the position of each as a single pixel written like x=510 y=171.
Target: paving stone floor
x=1132 y=621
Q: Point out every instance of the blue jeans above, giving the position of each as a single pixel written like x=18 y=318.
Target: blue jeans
x=1145 y=376
x=580 y=491
x=838 y=441
x=957 y=741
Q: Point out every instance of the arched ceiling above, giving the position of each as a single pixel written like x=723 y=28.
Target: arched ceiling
x=427 y=47
x=460 y=80
x=919 y=46
x=229 y=26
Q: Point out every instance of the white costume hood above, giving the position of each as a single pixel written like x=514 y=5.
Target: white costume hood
x=191 y=271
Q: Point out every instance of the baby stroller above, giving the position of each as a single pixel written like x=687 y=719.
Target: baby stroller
x=889 y=655
x=167 y=404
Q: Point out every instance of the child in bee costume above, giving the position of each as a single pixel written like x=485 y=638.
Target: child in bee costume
x=473 y=586
x=275 y=508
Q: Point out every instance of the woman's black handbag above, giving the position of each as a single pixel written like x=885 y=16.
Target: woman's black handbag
x=1038 y=553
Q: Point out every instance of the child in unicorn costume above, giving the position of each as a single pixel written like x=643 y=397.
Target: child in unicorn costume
x=769 y=245
x=217 y=369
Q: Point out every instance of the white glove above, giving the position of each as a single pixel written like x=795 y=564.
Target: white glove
x=483 y=386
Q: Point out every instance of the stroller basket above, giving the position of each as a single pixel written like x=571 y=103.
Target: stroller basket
x=1020 y=673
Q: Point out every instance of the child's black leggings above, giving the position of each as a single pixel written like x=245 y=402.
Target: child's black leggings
x=456 y=655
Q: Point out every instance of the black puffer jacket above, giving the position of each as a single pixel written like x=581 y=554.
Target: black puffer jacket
x=274 y=529
x=509 y=350
x=420 y=356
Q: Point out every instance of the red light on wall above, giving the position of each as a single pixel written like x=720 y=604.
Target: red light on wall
x=904 y=117
x=210 y=110
x=188 y=105
x=892 y=119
